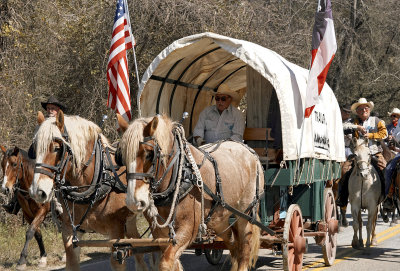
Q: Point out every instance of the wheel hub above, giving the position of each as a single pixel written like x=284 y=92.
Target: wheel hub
x=299 y=245
x=333 y=226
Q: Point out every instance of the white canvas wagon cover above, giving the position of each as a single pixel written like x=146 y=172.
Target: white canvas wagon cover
x=182 y=77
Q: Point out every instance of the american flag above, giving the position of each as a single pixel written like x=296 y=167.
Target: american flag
x=323 y=50
x=117 y=68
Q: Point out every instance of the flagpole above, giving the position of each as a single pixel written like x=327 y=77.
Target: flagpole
x=303 y=122
x=134 y=52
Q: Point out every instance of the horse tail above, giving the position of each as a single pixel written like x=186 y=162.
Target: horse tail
x=255 y=246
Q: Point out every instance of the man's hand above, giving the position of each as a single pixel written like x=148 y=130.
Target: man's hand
x=199 y=141
x=361 y=129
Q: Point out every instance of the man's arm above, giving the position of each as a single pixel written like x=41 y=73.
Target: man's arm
x=198 y=132
x=381 y=133
x=238 y=126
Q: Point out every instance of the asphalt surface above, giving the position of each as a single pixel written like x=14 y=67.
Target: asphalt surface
x=385 y=256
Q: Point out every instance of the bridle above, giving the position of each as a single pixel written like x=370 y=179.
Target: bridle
x=151 y=176
x=362 y=164
x=57 y=172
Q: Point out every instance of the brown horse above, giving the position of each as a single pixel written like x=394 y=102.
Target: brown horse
x=74 y=165
x=18 y=175
x=160 y=182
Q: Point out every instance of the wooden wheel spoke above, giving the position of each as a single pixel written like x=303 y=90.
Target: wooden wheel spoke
x=329 y=213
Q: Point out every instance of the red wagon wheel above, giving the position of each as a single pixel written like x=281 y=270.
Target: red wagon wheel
x=330 y=244
x=294 y=245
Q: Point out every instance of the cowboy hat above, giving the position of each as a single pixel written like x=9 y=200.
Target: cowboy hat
x=224 y=89
x=345 y=108
x=361 y=101
x=395 y=111
x=53 y=100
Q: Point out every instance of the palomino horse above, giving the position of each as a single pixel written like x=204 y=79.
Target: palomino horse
x=18 y=176
x=73 y=164
x=169 y=177
x=364 y=193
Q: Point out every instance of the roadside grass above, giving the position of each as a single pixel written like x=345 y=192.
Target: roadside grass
x=12 y=240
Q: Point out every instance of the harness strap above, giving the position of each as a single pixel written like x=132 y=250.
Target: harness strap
x=138 y=175
x=239 y=213
x=45 y=172
x=117 y=184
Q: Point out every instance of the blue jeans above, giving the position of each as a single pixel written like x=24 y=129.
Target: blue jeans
x=389 y=172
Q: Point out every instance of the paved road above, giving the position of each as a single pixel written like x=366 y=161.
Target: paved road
x=386 y=256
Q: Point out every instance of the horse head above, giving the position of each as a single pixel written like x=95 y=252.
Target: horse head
x=62 y=143
x=144 y=149
x=11 y=165
x=362 y=156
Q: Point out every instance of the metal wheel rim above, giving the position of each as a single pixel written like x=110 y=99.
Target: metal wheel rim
x=293 y=228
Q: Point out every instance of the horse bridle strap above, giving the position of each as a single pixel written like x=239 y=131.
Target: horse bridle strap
x=139 y=176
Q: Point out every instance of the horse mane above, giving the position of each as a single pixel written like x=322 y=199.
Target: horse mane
x=134 y=135
x=80 y=132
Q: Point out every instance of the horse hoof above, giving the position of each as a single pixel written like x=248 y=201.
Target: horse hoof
x=392 y=224
x=42 y=262
x=361 y=244
x=20 y=267
x=385 y=218
x=355 y=245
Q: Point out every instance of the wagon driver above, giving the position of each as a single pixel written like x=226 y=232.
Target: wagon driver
x=371 y=127
x=220 y=121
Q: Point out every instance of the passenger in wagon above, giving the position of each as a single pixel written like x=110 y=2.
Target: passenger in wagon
x=220 y=121
x=371 y=127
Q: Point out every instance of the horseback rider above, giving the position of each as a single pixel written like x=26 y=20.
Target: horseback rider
x=394 y=137
x=345 y=112
x=371 y=127
x=52 y=106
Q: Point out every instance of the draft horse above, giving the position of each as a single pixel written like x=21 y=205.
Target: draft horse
x=364 y=193
x=74 y=164
x=18 y=175
x=168 y=177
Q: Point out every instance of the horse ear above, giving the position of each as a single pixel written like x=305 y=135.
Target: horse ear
x=60 y=120
x=40 y=117
x=3 y=149
x=122 y=123
x=153 y=126
x=15 y=151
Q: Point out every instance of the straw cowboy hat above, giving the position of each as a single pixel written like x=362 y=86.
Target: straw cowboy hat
x=361 y=101
x=395 y=111
x=224 y=89
x=53 y=100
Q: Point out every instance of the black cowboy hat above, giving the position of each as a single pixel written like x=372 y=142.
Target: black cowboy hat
x=55 y=101
x=346 y=108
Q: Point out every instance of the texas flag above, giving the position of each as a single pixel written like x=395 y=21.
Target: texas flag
x=323 y=50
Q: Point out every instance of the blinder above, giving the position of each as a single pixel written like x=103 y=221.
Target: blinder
x=118 y=157
x=55 y=171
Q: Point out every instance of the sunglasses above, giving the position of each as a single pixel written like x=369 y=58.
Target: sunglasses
x=223 y=98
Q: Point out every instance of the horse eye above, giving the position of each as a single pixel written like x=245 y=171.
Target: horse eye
x=56 y=149
x=149 y=155
x=14 y=164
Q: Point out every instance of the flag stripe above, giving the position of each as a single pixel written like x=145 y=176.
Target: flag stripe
x=117 y=66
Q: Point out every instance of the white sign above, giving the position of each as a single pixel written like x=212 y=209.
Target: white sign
x=320 y=130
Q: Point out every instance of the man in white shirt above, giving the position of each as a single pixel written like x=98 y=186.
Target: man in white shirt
x=220 y=121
